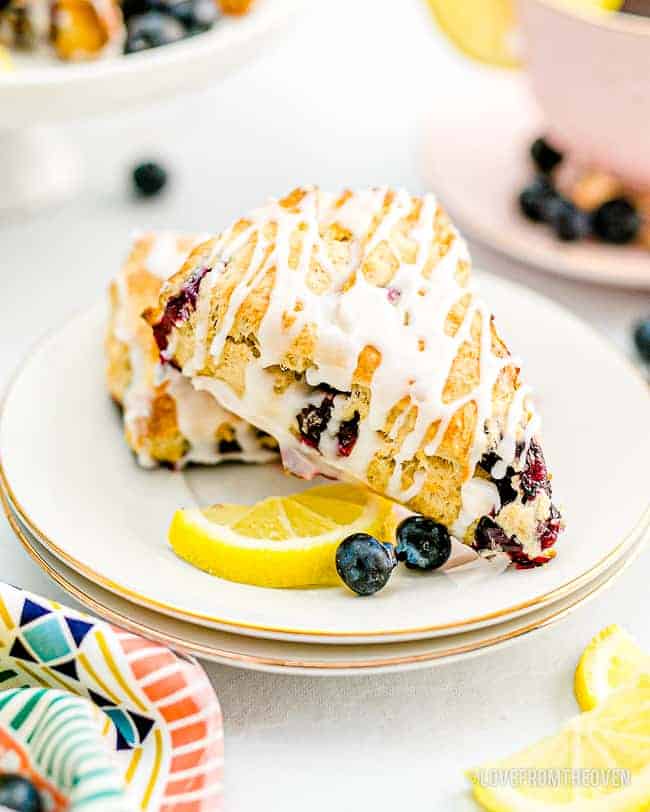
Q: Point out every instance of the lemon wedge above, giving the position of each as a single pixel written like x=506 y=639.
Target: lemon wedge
x=280 y=542
x=599 y=761
x=595 y=5
x=482 y=29
x=6 y=63
x=486 y=30
x=610 y=661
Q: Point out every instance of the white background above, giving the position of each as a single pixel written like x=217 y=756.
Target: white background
x=337 y=102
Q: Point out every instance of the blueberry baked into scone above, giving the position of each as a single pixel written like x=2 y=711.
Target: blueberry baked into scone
x=347 y=327
x=165 y=419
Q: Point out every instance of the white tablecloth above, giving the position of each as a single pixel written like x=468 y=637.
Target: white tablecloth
x=338 y=102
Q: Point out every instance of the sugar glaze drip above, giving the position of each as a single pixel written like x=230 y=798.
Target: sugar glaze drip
x=198 y=415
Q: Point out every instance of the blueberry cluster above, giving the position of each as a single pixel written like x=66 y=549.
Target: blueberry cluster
x=365 y=564
x=151 y=23
x=616 y=221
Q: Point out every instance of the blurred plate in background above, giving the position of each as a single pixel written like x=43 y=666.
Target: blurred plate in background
x=474 y=156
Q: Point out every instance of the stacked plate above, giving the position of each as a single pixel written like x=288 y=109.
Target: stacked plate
x=97 y=523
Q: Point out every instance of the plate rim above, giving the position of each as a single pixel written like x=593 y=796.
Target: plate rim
x=271 y=664
x=7 y=498
x=261 y=630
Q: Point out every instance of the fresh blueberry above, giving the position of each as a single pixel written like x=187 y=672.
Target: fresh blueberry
x=534 y=199
x=134 y=8
x=642 y=338
x=364 y=564
x=422 y=543
x=546 y=158
x=19 y=793
x=151 y=30
x=149 y=178
x=616 y=221
x=568 y=221
x=194 y=15
x=552 y=206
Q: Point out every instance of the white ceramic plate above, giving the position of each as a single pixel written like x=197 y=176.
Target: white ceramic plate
x=78 y=489
x=26 y=95
x=279 y=656
x=476 y=158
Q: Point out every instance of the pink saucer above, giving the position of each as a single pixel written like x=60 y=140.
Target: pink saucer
x=475 y=159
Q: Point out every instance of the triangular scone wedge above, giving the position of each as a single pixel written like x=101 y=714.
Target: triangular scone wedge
x=346 y=326
x=166 y=420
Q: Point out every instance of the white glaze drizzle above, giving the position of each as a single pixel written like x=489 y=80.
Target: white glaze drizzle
x=349 y=321
x=198 y=414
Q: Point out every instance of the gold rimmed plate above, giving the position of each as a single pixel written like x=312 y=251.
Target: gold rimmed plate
x=280 y=656
x=75 y=486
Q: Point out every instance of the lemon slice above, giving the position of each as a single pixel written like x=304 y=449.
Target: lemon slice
x=280 y=542
x=482 y=29
x=486 y=30
x=609 y=662
x=595 y=5
x=599 y=761
x=6 y=63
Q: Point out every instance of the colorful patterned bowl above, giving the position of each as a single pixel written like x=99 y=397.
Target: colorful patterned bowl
x=151 y=736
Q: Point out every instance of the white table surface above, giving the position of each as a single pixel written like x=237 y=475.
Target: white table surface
x=337 y=102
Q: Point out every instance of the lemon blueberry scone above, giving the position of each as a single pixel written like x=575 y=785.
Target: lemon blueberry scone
x=347 y=327
x=165 y=419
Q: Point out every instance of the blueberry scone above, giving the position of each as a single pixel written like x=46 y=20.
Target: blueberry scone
x=165 y=419
x=347 y=327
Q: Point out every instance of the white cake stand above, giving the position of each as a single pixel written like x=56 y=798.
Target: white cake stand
x=39 y=168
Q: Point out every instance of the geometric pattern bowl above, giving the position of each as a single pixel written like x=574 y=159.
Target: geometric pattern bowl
x=158 y=711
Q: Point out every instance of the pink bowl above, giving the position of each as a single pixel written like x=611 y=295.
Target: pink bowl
x=591 y=76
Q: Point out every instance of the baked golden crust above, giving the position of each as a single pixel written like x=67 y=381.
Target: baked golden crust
x=348 y=328
x=165 y=420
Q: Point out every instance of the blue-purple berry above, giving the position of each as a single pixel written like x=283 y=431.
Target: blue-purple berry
x=364 y=564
